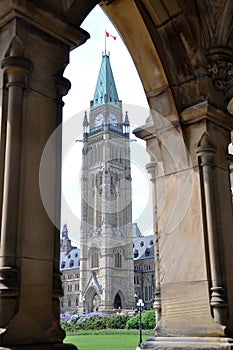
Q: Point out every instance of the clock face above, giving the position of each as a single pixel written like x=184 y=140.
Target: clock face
x=112 y=118
x=99 y=118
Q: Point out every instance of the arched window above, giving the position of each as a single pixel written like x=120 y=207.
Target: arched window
x=118 y=259
x=69 y=302
x=94 y=259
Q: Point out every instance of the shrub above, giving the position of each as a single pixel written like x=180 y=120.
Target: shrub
x=117 y=322
x=133 y=322
x=96 y=322
x=148 y=321
x=82 y=322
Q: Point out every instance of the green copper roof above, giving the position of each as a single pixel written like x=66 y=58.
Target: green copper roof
x=106 y=85
x=136 y=231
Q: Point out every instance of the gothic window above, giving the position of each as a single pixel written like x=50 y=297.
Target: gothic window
x=69 y=288
x=76 y=301
x=94 y=259
x=69 y=302
x=63 y=264
x=118 y=259
x=136 y=253
x=71 y=263
x=62 y=302
x=150 y=293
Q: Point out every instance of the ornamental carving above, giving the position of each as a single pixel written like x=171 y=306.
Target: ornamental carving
x=220 y=69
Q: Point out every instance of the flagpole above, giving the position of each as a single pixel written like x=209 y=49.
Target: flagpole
x=105 y=44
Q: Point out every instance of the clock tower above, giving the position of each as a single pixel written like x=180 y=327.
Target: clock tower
x=106 y=263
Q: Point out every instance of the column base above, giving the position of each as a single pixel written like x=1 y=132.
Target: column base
x=57 y=346
x=190 y=343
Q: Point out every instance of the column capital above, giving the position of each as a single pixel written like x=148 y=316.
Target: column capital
x=17 y=68
x=206 y=151
x=63 y=85
x=151 y=169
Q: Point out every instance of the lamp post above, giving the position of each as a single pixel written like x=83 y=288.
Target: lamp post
x=136 y=299
x=140 y=305
x=84 y=311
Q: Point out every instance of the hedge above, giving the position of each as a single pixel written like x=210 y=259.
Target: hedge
x=110 y=322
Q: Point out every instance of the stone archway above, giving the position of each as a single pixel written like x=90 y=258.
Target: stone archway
x=117 y=302
x=95 y=303
x=184 y=55
x=92 y=300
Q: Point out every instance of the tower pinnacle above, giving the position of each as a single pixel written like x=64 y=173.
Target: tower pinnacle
x=105 y=91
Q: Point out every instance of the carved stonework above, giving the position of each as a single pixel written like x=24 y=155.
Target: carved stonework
x=220 y=68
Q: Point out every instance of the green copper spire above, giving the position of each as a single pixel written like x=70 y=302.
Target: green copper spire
x=105 y=90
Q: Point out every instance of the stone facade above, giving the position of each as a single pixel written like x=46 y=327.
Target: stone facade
x=144 y=272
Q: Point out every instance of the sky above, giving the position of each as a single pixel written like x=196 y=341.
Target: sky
x=83 y=72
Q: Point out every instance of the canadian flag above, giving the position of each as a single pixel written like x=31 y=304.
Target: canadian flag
x=110 y=35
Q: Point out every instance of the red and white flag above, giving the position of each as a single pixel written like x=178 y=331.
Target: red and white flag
x=110 y=35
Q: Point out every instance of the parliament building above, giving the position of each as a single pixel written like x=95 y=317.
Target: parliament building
x=107 y=272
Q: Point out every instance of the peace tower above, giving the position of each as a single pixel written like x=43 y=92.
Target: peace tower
x=106 y=261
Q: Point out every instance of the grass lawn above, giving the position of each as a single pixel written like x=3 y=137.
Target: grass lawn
x=107 y=339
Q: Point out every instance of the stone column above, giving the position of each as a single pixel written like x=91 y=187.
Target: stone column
x=152 y=169
x=207 y=152
x=195 y=225
x=63 y=85
x=34 y=53
x=16 y=68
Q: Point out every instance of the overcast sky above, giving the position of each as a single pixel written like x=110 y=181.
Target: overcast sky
x=83 y=72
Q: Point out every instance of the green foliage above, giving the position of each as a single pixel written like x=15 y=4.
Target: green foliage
x=133 y=322
x=96 y=322
x=148 y=321
x=117 y=322
x=110 y=322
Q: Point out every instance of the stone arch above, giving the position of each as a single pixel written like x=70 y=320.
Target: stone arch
x=154 y=80
x=117 y=302
x=145 y=27
x=92 y=300
x=119 y=299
